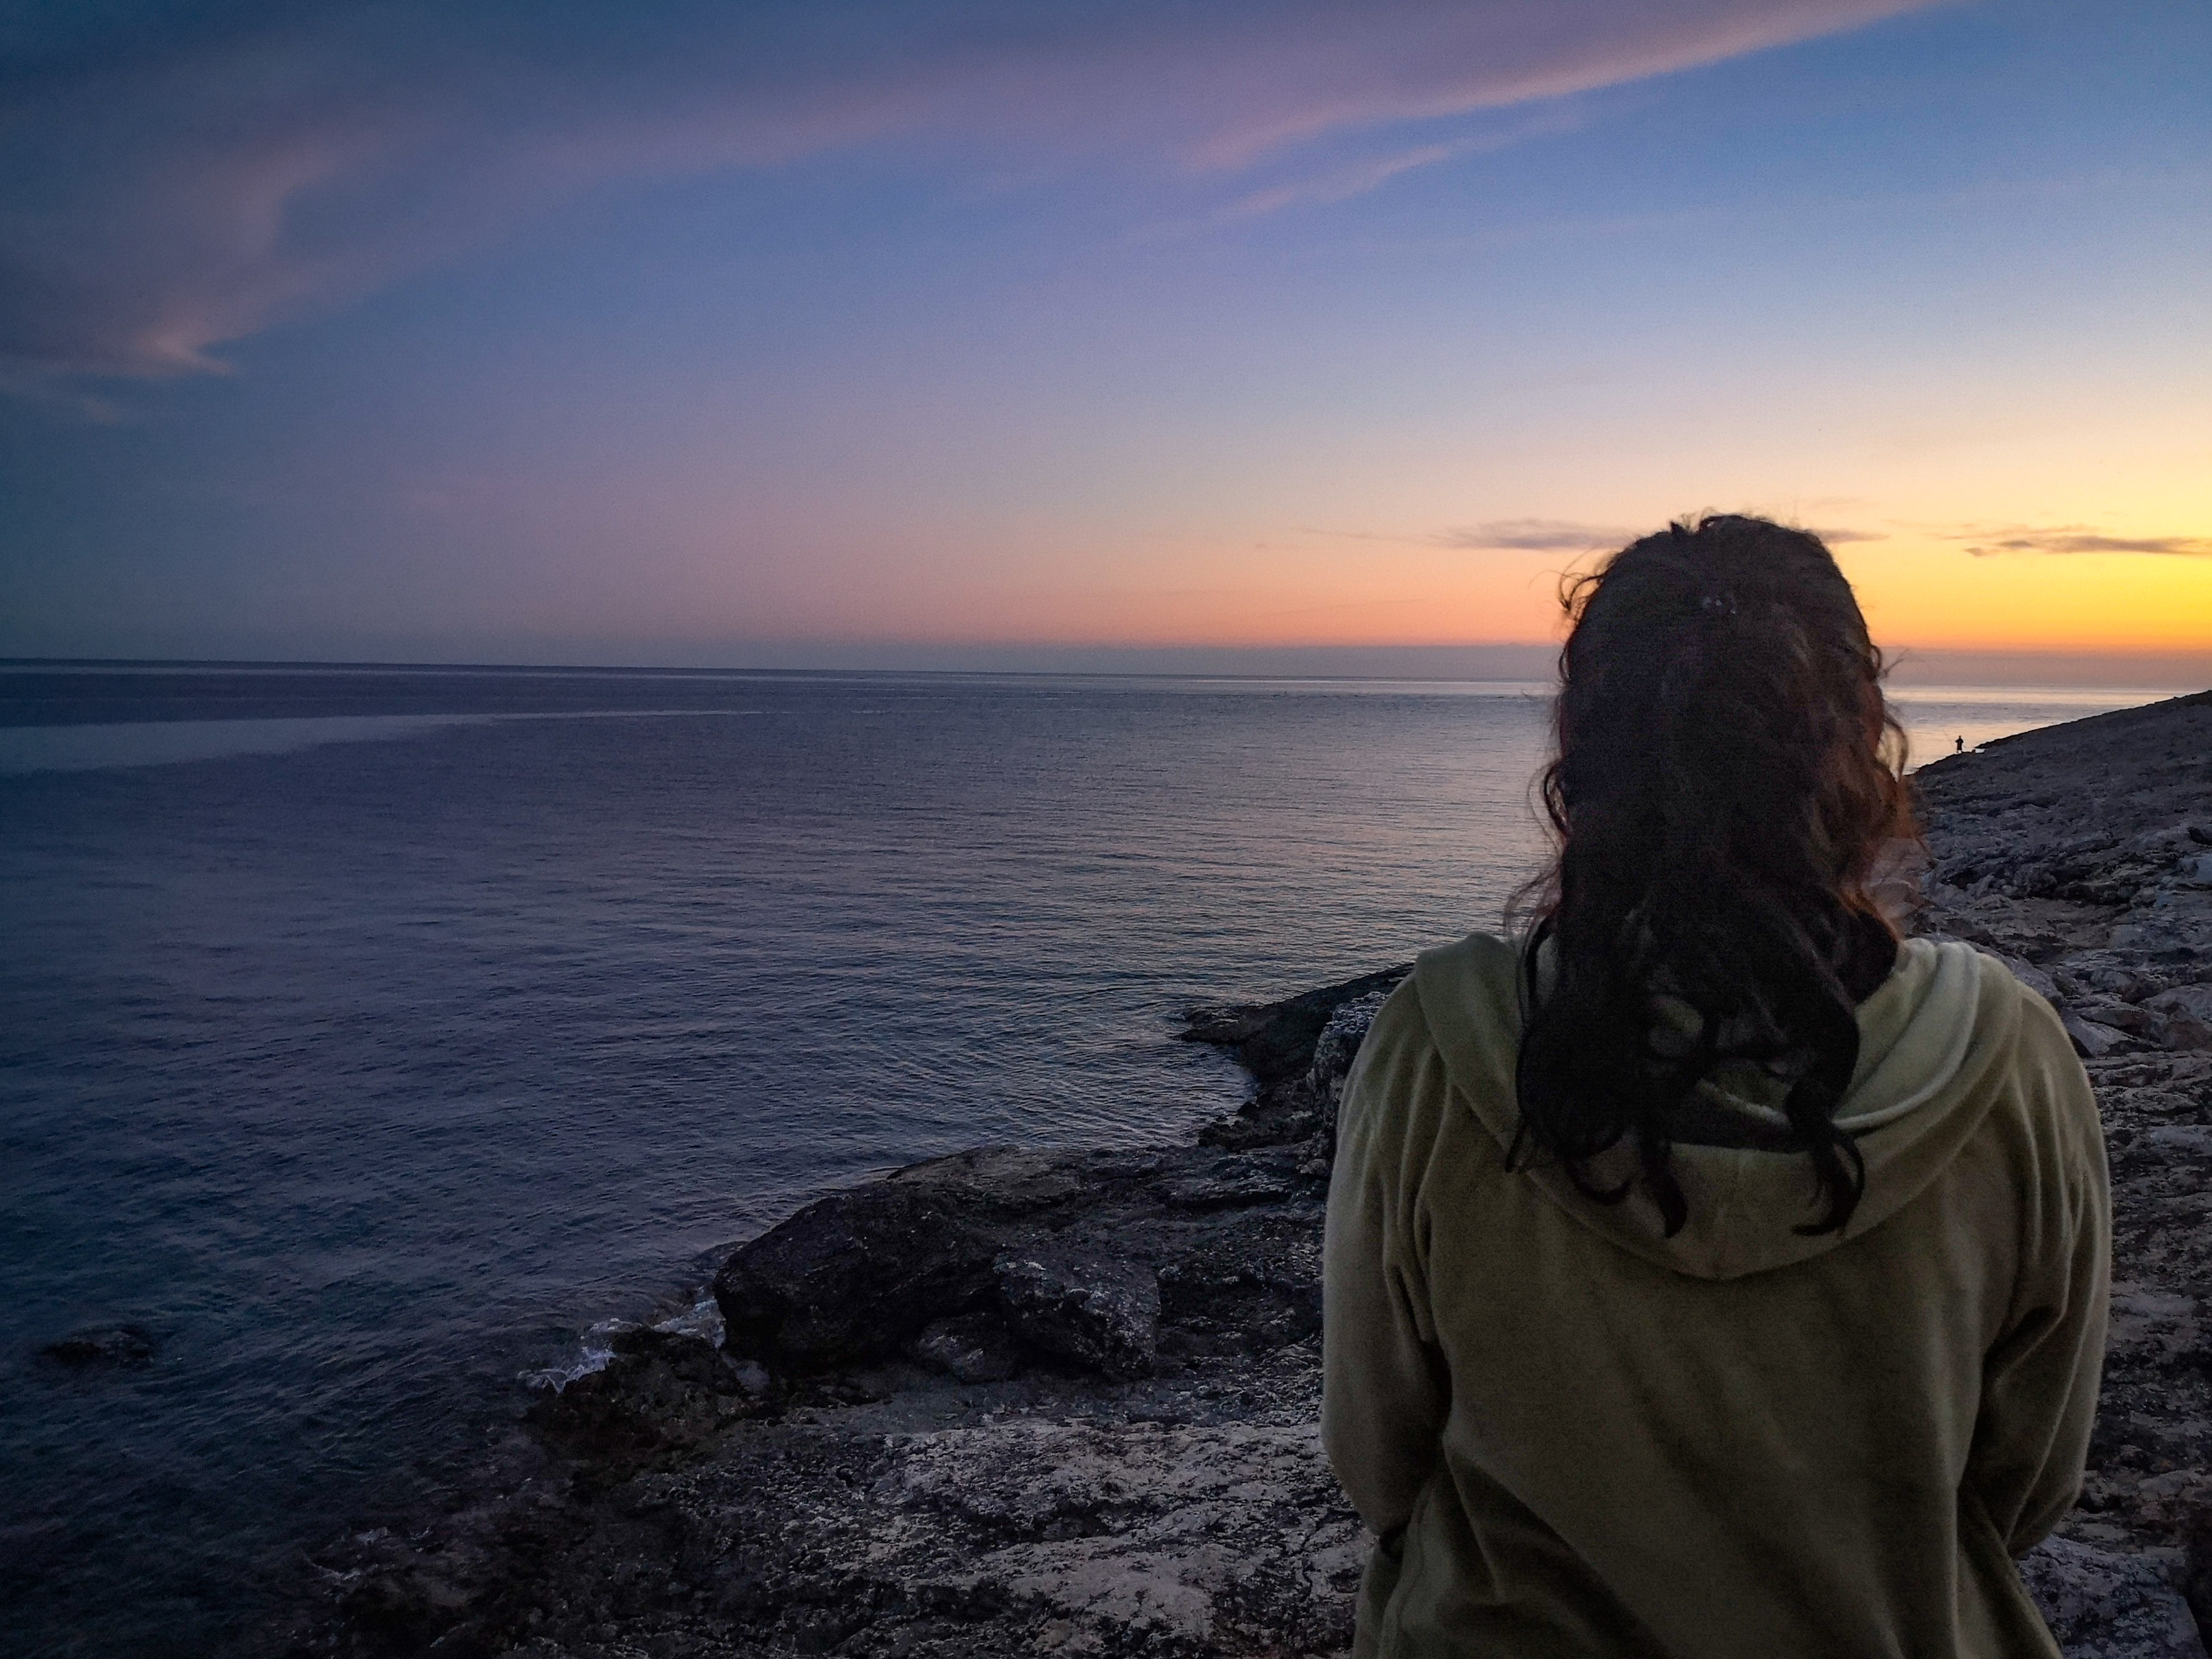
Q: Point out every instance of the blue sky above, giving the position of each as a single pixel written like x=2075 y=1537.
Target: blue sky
x=975 y=332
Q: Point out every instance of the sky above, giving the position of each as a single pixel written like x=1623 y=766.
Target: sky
x=1069 y=333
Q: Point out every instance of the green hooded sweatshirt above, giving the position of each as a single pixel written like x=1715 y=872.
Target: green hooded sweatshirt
x=1576 y=1435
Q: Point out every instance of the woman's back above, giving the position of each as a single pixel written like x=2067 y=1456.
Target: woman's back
x=1713 y=1272
x=1590 y=1437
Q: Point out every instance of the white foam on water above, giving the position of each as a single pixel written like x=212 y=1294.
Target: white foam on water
x=596 y=1349
x=701 y=1319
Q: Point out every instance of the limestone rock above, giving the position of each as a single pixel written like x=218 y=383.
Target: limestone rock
x=1151 y=1539
x=2101 y=1604
x=2185 y=1016
x=2092 y=1040
x=1223 y=1192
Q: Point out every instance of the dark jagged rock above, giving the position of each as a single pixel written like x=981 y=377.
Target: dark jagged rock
x=1298 y=1051
x=662 y=1393
x=1224 y=1302
x=125 y=1345
x=851 y=1278
x=1101 y=1315
x=1017 y=1402
x=988 y=1261
x=1275 y=1041
x=976 y=1348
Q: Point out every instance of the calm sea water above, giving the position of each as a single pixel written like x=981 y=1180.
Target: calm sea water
x=367 y=1036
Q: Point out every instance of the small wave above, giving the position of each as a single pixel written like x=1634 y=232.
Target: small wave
x=701 y=1319
x=597 y=1348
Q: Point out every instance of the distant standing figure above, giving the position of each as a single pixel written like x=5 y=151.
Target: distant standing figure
x=1958 y=746
x=1711 y=1274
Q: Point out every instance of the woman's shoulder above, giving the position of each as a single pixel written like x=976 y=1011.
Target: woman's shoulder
x=1450 y=1025
x=1470 y=1001
x=1483 y=958
x=1434 y=1079
x=2013 y=1015
x=1470 y=981
x=2051 y=1086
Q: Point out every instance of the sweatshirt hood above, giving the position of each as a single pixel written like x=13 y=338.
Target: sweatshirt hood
x=1929 y=1036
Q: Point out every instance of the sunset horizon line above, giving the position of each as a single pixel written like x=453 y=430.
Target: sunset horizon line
x=1442 y=661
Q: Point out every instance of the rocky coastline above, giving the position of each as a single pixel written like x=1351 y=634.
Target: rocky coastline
x=1017 y=1402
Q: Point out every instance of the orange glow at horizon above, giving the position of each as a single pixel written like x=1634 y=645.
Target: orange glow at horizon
x=1934 y=597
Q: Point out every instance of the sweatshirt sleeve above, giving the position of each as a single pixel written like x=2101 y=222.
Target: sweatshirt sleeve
x=2039 y=1379
x=1385 y=1392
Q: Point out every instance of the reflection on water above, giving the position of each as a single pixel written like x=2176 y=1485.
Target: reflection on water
x=155 y=743
x=92 y=747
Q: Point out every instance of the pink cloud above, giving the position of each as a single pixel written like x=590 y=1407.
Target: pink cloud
x=153 y=209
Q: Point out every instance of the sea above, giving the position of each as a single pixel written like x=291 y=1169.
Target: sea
x=372 y=1039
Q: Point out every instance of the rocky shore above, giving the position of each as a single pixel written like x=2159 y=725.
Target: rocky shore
x=1012 y=1402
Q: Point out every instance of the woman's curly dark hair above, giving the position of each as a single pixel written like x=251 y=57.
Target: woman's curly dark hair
x=1726 y=773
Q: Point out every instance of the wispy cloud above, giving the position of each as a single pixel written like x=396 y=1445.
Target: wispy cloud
x=1339 y=184
x=1346 y=180
x=2078 y=539
x=167 y=185
x=1534 y=536
x=1546 y=536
